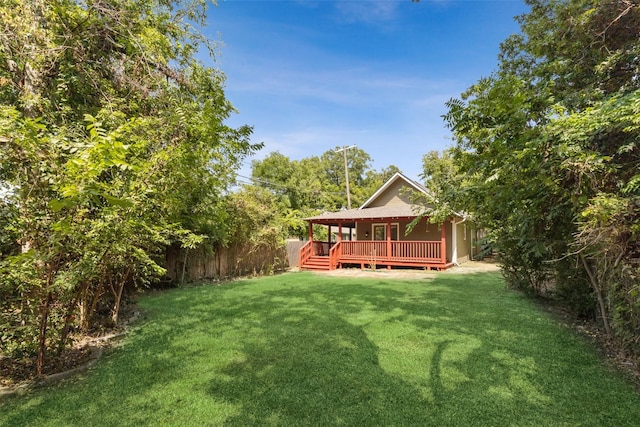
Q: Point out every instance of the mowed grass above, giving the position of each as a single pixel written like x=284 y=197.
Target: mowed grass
x=303 y=349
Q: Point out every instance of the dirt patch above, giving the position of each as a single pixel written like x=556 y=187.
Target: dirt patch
x=471 y=267
x=18 y=376
x=380 y=273
x=414 y=274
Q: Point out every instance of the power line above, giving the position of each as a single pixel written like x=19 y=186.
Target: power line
x=253 y=180
x=273 y=184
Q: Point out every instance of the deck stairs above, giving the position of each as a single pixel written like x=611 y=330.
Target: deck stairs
x=317 y=263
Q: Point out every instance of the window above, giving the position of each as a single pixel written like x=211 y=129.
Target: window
x=380 y=231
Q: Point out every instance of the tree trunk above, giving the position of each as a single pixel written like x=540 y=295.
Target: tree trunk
x=88 y=304
x=598 y=290
x=116 y=304
x=42 y=333
x=184 y=265
x=68 y=319
x=84 y=307
x=117 y=296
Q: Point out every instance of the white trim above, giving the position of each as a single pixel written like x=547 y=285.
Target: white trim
x=454 y=237
x=454 y=242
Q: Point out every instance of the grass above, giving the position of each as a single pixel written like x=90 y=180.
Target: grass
x=303 y=349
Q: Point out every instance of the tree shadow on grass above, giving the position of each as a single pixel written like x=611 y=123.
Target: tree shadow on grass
x=487 y=358
x=319 y=370
x=353 y=352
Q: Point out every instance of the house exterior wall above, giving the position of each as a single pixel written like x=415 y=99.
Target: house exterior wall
x=392 y=196
x=467 y=240
x=466 y=235
x=422 y=231
x=463 y=241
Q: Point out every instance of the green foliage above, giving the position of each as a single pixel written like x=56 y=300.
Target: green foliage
x=255 y=217
x=445 y=184
x=114 y=146
x=17 y=313
x=8 y=236
x=308 y=349
x=318 y=183
x=297 y=184
x=571 y=287
x=305 y=187
x=334 y=179
x=548 y=146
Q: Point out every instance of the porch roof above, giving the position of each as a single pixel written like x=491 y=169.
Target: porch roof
x=379 y=213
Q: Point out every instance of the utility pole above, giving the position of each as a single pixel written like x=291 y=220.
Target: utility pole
x=346 y=172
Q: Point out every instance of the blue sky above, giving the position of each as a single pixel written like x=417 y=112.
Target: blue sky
x=313 y=75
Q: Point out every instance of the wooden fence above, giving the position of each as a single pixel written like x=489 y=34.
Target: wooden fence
x=223 y=262
x=293 y=250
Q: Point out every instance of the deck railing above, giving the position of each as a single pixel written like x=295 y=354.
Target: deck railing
x=304 y=254
x=314 y=248
x=372 y=252
x=395 y=250
x=334 y=255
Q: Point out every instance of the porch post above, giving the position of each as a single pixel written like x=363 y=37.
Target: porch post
x=329 y=236
x=340 y=232
x=311 y=231
x=443 y=243
x=388 y=243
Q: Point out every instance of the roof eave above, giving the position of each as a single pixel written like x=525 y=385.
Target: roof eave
x=387 y=184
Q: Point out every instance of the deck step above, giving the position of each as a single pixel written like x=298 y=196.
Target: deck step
x=316 y=263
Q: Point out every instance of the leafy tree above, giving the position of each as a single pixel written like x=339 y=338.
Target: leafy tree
x=314 y=184
x=358 y=163
x=8 y=237
x=296 y=183
x=549 y=148
x=114 y=145
x=372 y=181
x=446 y=185
x=318 y=183
x=256 y=218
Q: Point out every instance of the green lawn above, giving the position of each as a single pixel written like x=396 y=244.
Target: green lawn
x=303 y=349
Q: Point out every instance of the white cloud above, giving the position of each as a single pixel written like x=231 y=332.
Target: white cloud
x=356 y=75
x=347 y=85
x=370 y=12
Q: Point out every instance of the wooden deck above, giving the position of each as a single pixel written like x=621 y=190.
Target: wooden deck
x=373 y=254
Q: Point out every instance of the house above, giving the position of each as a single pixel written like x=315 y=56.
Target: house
x=382 y=237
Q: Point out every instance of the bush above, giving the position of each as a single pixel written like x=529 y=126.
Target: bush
x=573 y=290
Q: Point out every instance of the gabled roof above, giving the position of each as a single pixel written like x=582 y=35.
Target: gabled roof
x=415 y=185
x=373 y=213
x=411 y=183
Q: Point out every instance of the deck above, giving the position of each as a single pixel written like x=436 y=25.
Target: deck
x=373 y=254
